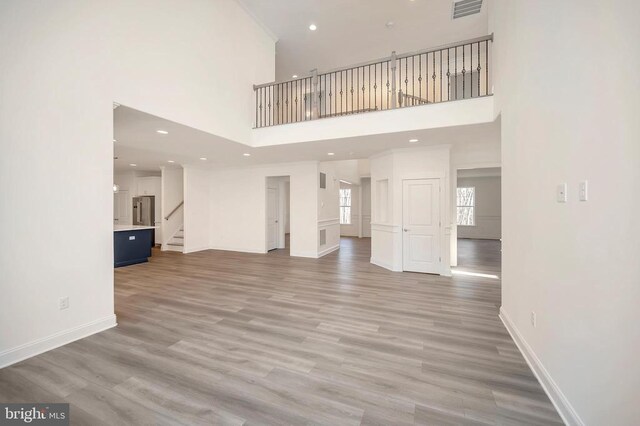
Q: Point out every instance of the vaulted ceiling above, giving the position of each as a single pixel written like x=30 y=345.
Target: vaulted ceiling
x=354 y=31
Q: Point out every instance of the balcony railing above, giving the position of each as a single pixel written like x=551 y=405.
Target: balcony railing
x=441 y=74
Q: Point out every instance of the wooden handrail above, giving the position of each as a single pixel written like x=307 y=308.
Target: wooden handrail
x=174 y=210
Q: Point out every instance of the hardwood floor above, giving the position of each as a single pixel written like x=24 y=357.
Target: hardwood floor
x=232 y=338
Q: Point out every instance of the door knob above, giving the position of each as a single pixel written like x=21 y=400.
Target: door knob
x=405 y=230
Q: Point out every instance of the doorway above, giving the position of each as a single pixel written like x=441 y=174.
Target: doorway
x=478 y=219
x=277 y=212
x=421 y=225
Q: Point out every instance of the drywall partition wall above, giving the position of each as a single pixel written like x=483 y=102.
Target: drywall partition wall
x=352 y=229
x=366 y=206
x=197 y=209
x=487 y=209
x=238 y=203
x=432 y=116
x=63 y=65
x=384 y=234
x=329 y=208
x=574 y=264
x=388 y=170
x=172 y=196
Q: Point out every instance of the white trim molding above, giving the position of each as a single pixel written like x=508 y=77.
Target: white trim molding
x=328 y=222
x=559 y=400
x=36 y=347
x=328 y=250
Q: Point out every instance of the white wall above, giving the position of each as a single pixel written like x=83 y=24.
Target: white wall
x=63 y=64
x=329 y=207
x=366 y=206
x=172 y=196
x=197 y=209
x=569 y=96
x=445 y=114
x=238 y=208
x=488 y=206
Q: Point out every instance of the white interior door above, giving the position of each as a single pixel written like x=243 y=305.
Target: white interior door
x=272 y=218
x=421 y=225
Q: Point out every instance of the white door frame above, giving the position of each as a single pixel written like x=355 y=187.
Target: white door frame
x=442 y=270
x=266 y=217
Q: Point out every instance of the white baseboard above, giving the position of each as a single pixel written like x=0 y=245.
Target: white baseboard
x=559 y=400
x=36 y=347
x=382 y=264
x=328 y=250
x=239 y=249
x=195 y=249
x=178 y=249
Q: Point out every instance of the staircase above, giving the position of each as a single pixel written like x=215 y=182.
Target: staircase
x=176 y=243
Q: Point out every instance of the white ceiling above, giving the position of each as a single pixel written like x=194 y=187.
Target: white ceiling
x=354 y=31
x=140 y=144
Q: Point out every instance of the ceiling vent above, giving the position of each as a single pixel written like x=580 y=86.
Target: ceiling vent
x=464 y=8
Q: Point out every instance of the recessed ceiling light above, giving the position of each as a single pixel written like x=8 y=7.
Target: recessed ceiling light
x=162 y=132
x=246 y=154
x=203 y=158
x=389 y=24
x=170 y=161
x=133 y=164
x=313 y=27
x=331 y=153
x=294 y=76
x=413 y=140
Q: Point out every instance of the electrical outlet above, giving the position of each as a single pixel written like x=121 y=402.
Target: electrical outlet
x=533 y=319
x=64 y=302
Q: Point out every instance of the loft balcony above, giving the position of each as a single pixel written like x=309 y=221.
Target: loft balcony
x=402 y=92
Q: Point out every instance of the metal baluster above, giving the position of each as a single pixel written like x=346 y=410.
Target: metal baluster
x=369 y=83
x=433 y=56
x=479 y=68
x=375 y=86
x=420 y=76
x=413 y=78
x=448 y=76
x=486 y=67
x=456 y=73
x=296 y=99
x=471 y=69
x=463 y=73
x=440 y=75
x=363 y=107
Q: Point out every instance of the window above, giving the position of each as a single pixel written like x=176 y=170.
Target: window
x=345 y=206
x=466 y=205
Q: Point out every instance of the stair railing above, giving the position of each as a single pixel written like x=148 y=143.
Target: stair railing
x=440 y=74
x=174 y=210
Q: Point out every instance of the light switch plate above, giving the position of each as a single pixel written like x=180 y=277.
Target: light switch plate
x=561 y=193
x=583 y=191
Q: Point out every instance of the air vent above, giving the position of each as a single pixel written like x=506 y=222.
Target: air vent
x=464 y=8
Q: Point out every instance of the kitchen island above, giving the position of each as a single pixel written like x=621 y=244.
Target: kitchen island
x=132 y=244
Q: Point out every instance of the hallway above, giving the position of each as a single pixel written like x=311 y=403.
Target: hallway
x=226 y=338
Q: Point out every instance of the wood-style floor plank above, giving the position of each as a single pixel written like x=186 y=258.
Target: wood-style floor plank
x=233 y=338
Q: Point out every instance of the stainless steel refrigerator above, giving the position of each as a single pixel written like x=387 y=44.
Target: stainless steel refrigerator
x=144 y=210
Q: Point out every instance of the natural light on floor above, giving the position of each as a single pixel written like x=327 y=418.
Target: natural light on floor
x=475 y=274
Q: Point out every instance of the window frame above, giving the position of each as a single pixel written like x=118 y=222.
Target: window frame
x=343 y=206
x=472 y=206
